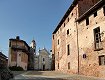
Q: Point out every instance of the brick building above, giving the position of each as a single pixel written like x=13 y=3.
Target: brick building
x=78 y=40
x=3 y=60
x=18 y=53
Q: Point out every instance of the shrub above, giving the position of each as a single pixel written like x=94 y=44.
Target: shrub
x=16 y=68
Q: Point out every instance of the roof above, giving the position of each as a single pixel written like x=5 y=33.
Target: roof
x=66 y=15
x=20 y=41
x=2 y=55
x=44 y=49
x=91 y=10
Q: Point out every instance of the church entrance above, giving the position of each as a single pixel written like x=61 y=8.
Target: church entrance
x=43 y=67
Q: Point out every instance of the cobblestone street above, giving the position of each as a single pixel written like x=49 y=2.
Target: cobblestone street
x=52 y=75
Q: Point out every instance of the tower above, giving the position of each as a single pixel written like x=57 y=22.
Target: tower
x=31 y=55
x=33 y=45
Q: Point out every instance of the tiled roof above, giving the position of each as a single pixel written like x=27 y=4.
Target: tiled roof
x=91 y=10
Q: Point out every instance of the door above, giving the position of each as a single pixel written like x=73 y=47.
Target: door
x=43 y=67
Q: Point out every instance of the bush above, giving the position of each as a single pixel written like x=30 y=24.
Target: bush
x=15 y=68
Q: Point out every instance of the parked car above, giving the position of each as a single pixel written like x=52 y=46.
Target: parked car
x=5 y=73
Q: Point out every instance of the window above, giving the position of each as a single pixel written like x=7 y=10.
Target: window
x=84 y=55
x=68 y=49
x=104 y=10
x=10 y=44
x=58 y=41
x=68 y=32
x=69 y=65
x=68 y=19
x=72 y=14
x=95 y=14
x=64 y=24
x=19 y=54
x=97 y=38
x=53 y=36
x=58 y=65
x=102 y=60
x=43 y=59
x=87 y=21
x=58 y=55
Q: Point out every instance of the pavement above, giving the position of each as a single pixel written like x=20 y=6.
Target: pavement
x=51 y=75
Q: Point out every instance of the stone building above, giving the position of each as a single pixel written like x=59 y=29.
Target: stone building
x=78 y=40
x=43 y=60
x=18 y=53
x=3 y=60
x=32 y=52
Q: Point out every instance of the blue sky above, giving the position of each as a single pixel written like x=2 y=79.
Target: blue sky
x=30 y=19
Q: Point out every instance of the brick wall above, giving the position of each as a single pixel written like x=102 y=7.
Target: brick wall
x=61 y=57
x=85 y=46
x=90 y=65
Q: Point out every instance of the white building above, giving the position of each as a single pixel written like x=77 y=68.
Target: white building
x=43 y=60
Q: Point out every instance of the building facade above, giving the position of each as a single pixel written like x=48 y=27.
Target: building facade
x=78 y=40
x=3 y=60
x=18 y=53
x=43 y=60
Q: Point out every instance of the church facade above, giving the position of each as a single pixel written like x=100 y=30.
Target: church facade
x=43 y=60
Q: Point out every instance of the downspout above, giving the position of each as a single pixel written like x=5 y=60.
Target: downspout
x=77 y=38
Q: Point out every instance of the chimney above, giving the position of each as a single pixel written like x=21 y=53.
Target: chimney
x=17 y=37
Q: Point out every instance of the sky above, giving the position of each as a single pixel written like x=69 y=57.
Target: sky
x=30 y=19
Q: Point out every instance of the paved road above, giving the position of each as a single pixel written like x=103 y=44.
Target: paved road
x=51 y=75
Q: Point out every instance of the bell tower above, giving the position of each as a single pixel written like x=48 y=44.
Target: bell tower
x=33 y=45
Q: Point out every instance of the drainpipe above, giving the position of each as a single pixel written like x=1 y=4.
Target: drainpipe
x=77 y=39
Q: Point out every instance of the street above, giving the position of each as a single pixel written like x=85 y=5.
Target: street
x=51 y=75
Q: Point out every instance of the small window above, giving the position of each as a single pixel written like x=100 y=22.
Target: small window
x=53 y=36
x=58 y=65
x=68 y=32
x=68 y=19
x=104 y=10
x=43 y=59
x=58 y=55
x=10 y=44
x=19 y=54
x=95 y=14
x=64 y=24
x=87 y=21
x=72 y=14
x=102 y=60
x=69 y=65
x=68 y=49
x=58 y=41
x=84 y=55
